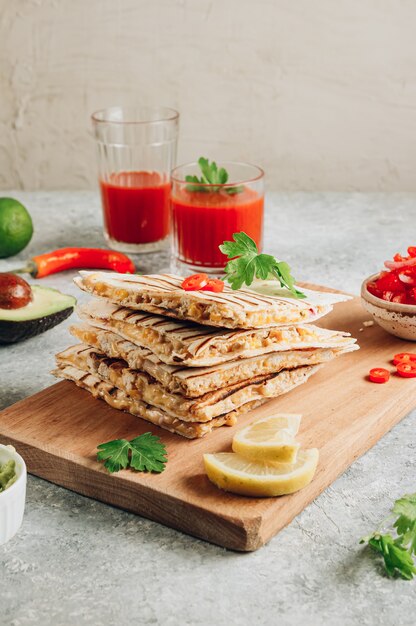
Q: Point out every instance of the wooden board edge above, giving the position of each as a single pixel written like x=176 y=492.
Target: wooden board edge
x=266 y=533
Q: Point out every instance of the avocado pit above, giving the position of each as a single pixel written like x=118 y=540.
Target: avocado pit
x=15 y=292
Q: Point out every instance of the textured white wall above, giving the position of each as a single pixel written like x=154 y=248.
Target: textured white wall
x=321 y=93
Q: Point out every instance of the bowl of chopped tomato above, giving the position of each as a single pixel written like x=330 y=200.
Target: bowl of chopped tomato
x=390 y=296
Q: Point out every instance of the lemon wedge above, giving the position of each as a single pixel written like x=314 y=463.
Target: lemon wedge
x=234 y=473
x=269 y=439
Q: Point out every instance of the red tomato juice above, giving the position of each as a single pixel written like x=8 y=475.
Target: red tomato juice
x=203 y=220
x=136 y=206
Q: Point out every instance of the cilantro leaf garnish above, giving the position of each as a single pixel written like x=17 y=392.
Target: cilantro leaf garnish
x=211 y=175
x=397 y=559
x=145 y=453
x=246 y=264
x=405 y=524
x=148 y=453
x=397 y=552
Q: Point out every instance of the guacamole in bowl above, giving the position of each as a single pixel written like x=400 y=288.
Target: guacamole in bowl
x=8 y=474
x=12 y=492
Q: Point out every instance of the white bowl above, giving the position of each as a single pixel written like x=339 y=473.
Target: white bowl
x=397 y=319
x=12 y=500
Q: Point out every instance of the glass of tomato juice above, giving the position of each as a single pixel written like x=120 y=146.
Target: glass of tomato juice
x=136 y=153
x=205 y=215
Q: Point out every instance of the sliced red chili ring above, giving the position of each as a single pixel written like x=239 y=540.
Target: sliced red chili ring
x=214 y=284
x=406 y=370
x=404 y=357
x=195 y=282
x=379 y=375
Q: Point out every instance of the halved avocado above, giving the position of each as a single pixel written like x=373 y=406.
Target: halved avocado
x=48 y=308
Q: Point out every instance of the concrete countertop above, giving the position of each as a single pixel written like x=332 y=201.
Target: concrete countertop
x=76 y=561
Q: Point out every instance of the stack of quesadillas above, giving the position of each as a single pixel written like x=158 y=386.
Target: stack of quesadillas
x=190 y=361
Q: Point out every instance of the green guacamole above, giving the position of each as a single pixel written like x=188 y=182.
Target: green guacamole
x=7 y=475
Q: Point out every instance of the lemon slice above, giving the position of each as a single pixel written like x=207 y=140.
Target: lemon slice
x=234 y=473
x=269 y=439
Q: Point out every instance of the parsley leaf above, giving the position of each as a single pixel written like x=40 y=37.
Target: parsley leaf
x=397 y=552
x=397 y=559
x=148 y=453
x=145 y=453
x=115 y=454
x=405 y=524
x=211 y=175
x=246 y=264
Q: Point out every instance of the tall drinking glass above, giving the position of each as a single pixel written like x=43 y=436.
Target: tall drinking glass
x=136 y=153
x=205 y=215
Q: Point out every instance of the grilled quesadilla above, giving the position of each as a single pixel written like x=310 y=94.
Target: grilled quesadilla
x=119 y=399
x=175 y=341
x=140 y=386
x=196 y=381
x=162 y=294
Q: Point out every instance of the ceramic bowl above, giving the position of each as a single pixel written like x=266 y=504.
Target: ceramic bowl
x=12 y=500
x=397 y=319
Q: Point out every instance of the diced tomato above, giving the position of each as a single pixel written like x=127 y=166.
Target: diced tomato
x=400 y=298
x=379 y=375
x=195 y=282
x=389 y=281
x=372 y=288
x=398 y=283
x=406 y=370
x=404 y=357
x=214 y=284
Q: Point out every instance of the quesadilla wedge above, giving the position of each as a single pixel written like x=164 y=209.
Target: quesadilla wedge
x=119 y=399
x=140 y=386
x=196 y=381
x=193 y=345
x=162 y=294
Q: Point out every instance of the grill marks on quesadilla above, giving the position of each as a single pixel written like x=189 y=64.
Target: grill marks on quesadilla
x=141 y=386
x=118 y=399
x=162 y=294
x=168 y=283
x=195 y=345
x=196 y=381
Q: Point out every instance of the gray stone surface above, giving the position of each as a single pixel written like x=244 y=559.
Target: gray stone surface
x=76 y=561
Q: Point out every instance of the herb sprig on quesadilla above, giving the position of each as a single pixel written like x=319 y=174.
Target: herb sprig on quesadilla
x=246 y=264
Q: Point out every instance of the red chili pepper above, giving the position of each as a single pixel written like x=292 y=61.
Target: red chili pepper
x=379 y=375
x=78 y=258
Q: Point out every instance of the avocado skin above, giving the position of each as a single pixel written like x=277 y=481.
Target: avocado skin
x=13 y=332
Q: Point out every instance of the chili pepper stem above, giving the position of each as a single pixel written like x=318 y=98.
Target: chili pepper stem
x=21 y=270
x=30 y=268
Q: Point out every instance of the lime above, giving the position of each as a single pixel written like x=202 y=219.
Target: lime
x=16 y=228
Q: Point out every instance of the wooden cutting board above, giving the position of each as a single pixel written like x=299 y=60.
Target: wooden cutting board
x=58 y=429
